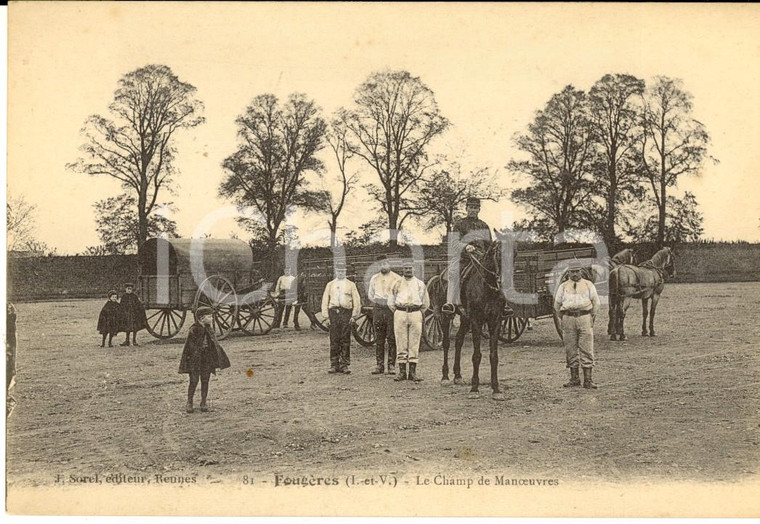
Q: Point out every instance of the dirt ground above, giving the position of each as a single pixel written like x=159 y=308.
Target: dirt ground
x=680 y=406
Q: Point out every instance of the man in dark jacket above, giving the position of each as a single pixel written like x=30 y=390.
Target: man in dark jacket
x=133 y=314
x=469 y=235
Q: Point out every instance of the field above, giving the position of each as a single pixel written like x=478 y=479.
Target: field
x=680 y=406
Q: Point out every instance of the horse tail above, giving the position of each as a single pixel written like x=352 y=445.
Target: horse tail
x=613 y=297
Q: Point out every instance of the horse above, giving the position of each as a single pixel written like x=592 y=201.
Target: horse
x=646 y=282
x=624 y=257
x=484 y=304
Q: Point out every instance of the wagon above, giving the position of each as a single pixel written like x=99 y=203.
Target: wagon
x=181 y=275
x=533 y=272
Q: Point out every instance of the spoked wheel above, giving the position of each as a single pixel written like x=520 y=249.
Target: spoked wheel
x=512 y=327
x=433 y=321
x=364 y=330
x=217 y=293
x=165 y=322
x=318 y=321
x=257 y=318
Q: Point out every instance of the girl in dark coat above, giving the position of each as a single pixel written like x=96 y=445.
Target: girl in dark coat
x=133 y=314
x=109 y=321
x=201 y=356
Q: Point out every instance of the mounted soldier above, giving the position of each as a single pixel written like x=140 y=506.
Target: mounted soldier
x=470 y=234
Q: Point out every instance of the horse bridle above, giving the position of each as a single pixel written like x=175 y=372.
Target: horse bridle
x=480 y=268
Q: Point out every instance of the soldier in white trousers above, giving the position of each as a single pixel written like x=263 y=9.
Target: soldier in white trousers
x=408 y=300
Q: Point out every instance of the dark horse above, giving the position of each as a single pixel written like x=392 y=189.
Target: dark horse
x=646 y=282
x=484 y=303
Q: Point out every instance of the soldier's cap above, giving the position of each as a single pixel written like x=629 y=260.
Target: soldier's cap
x=129 y=284
x=381 y=257
x=408 y=263
x=340 y=265
x=112 y=292
x=575 y=264
x=473 y=201
x=203 y=311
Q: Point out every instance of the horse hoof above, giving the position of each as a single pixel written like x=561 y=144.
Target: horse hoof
x=445 y=382
x=458 y=381
x=498 y=396
x=651 y=334
x=613 y=337
x=622 y=337
x=644 y=334
x=473 y=395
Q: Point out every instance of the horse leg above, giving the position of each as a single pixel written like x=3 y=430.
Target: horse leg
x=655 y=299
x=611 y=327
x=622 y=310
x=644 y=312
x=493 y=329
x=458 y=343
x=477 y=330
x=445 y=323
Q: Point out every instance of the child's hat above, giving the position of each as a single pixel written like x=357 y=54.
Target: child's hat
x=111 y=292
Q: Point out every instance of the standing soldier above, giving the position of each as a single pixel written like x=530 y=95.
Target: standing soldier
x=474 y=234
x=284 y=292
x=379 y=291
x=133 y=314
x=342 y=304
x=408 y=299
x=576 y=303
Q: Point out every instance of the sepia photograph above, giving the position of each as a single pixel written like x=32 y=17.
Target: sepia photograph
x=382 y=259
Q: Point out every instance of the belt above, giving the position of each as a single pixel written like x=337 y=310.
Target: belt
x=576 y=313
x=380 y=303
x=338 y=308
x=409 y=309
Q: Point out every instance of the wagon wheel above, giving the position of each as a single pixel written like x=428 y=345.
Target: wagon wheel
x=317 y=320
x=432 y=324
x=512 y=327
x=217 y=293
x=558 y=325
x=165 y=322
x=257 y=318
x=364 y=330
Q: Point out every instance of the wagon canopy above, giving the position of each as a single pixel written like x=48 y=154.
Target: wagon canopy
x=174 y=256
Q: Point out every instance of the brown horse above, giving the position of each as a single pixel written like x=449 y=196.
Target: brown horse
x=483 y=302
x=646 y=282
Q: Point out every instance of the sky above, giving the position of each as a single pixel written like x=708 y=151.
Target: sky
x=490 y=67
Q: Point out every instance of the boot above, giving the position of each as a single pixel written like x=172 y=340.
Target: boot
x=588 y=383
x=391 y=369
x=401 y=375
x=413 y=372
x=189 y=406
x=204 y=407
x=378 y=370
x=575 y=379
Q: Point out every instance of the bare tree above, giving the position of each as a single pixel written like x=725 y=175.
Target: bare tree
x=21 y=222
x=614 y=111
x=673 y=143
x=394 y=119
x=445 y=192
x=561 y=149
x=338 y=143
x=135 y=146
x=118 y=225
x=278 y=148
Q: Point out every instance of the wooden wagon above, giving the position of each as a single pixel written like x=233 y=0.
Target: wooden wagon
x=533 y=272
x=181 y=275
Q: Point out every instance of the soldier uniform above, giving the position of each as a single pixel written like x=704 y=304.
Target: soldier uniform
x=378 y=292
x=467 y=231
x=576 y=303
x=341 y=303
x=284 y=291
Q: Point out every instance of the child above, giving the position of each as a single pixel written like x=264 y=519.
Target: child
x=110 y=319
x=201 y=356
x=133 y=313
